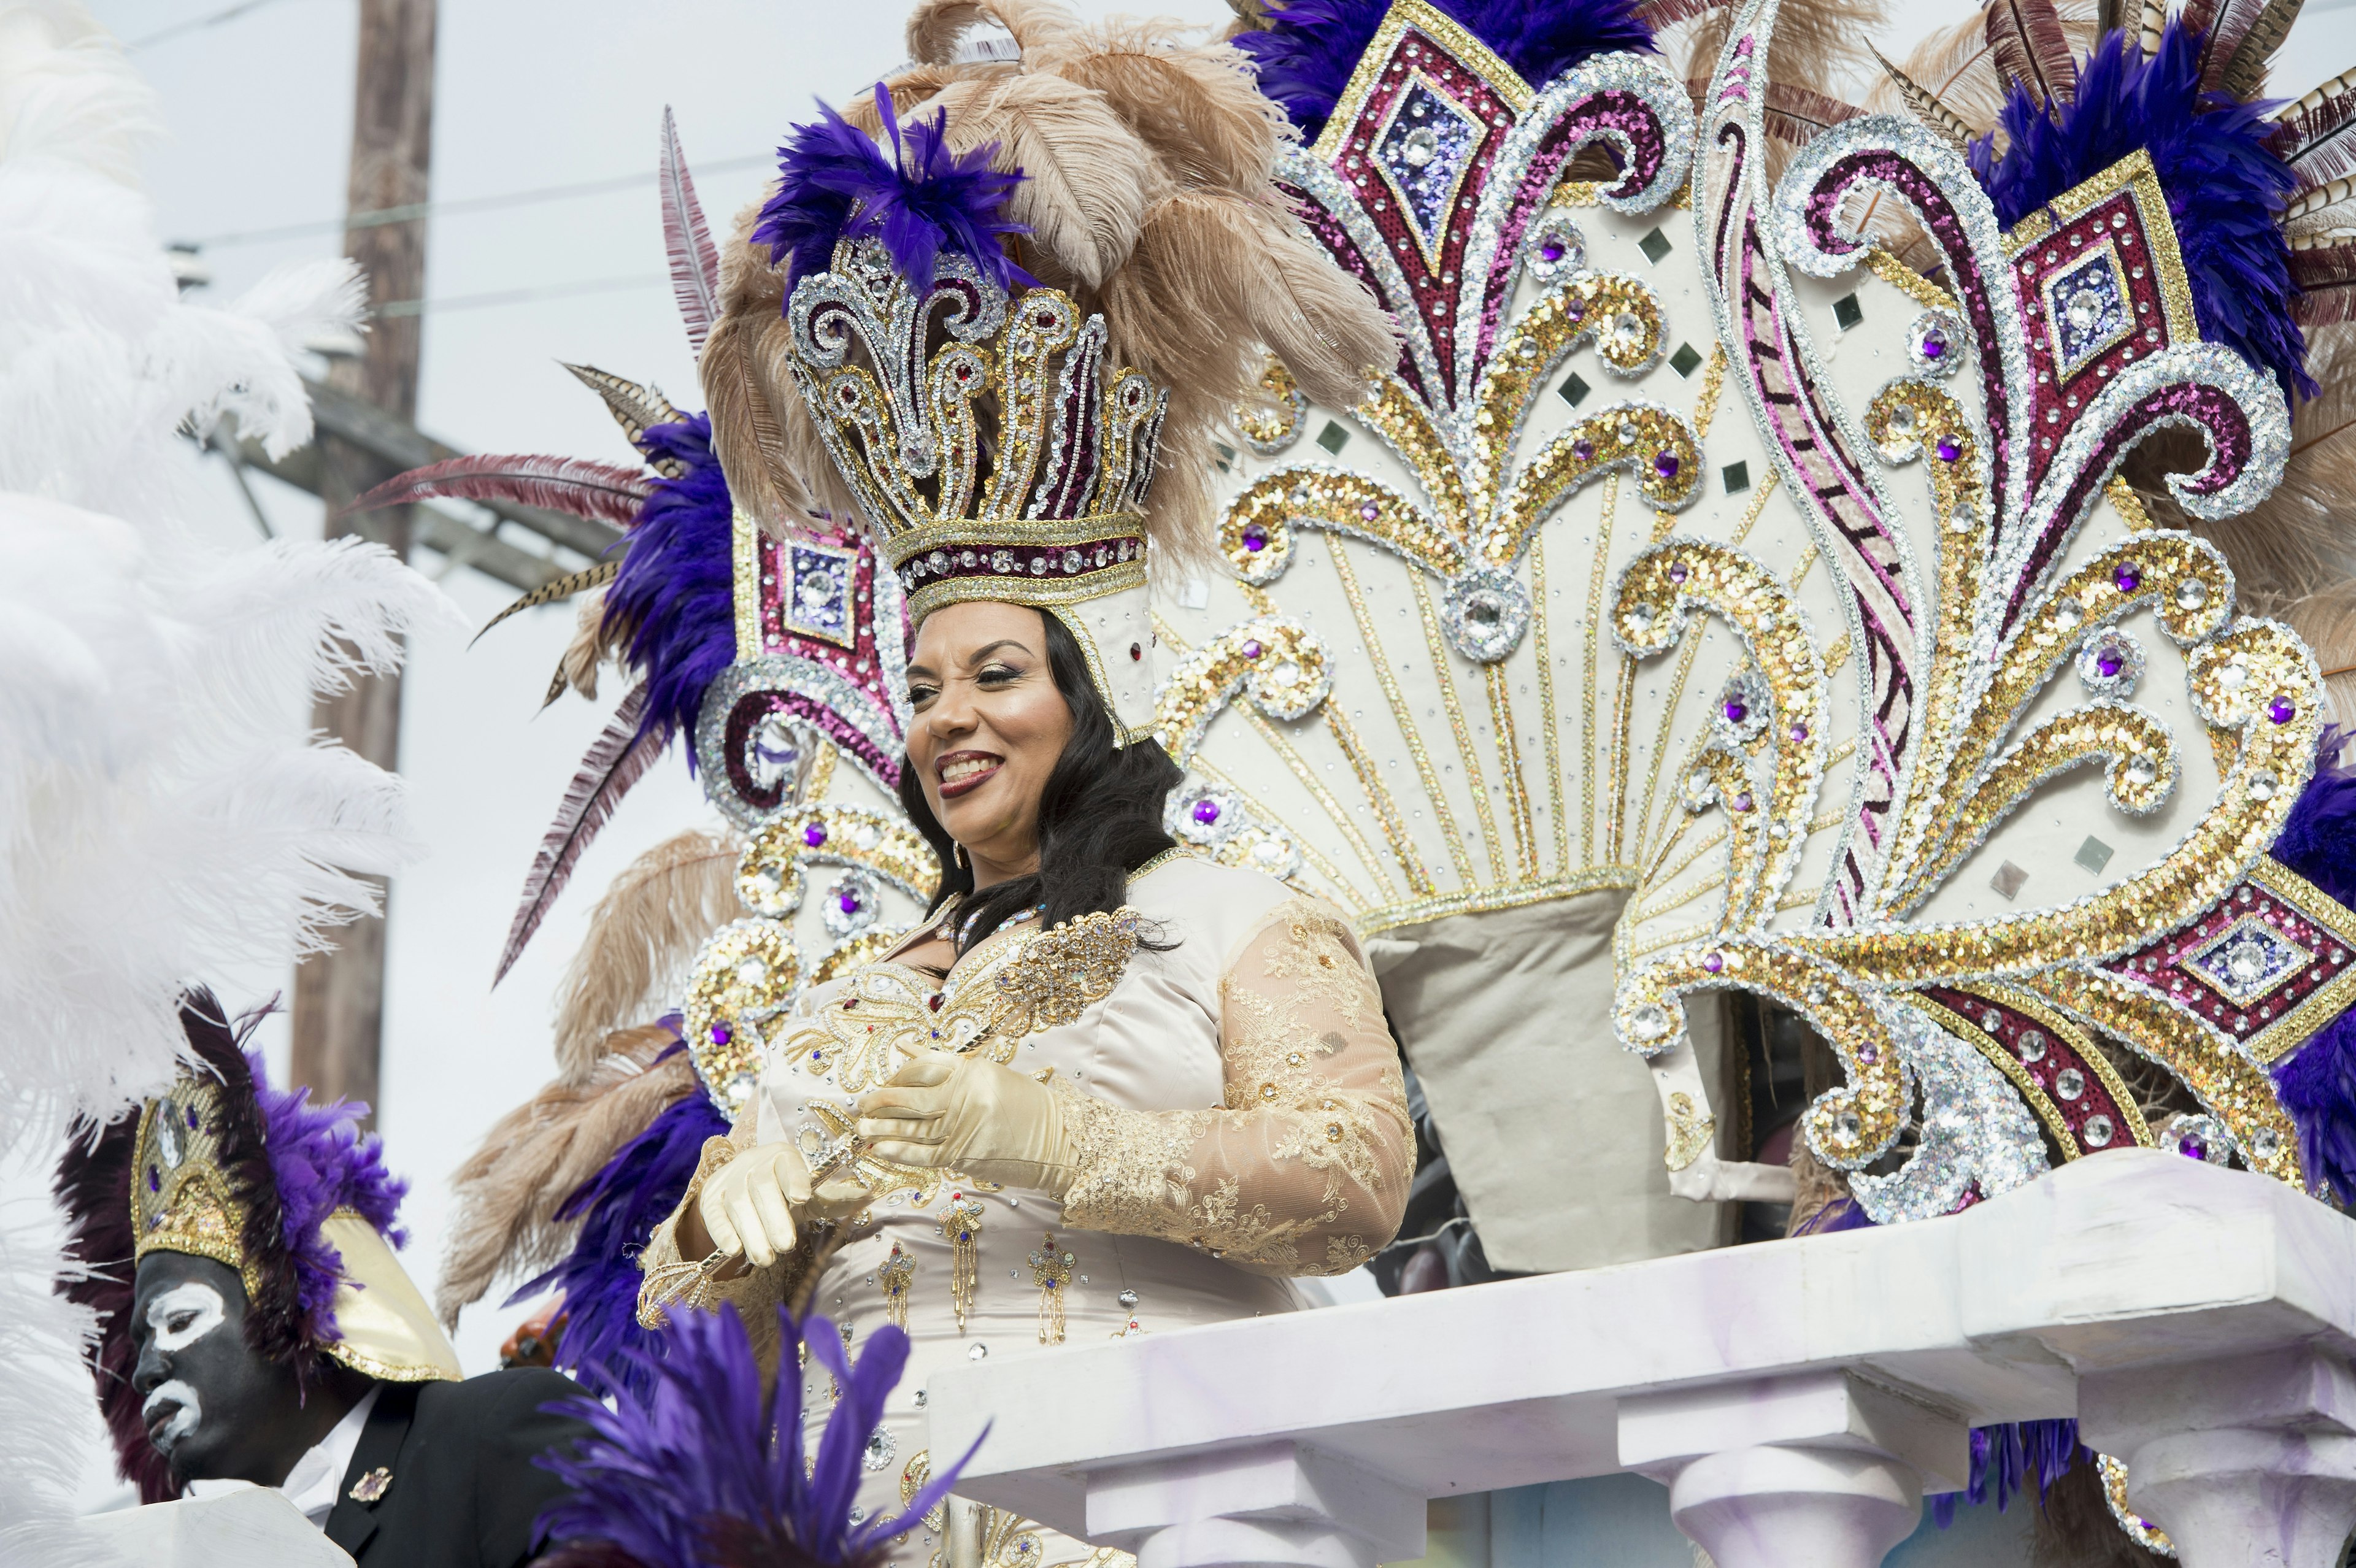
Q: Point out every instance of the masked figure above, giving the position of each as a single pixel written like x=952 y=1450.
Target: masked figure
x=1107 y=1087
x=254 y=1325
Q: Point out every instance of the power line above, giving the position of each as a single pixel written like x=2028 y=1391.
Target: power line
x=518 y=297
x=230 y=14
x=380 y=217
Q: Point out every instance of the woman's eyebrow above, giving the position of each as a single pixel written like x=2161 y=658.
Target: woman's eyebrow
x=986 y=649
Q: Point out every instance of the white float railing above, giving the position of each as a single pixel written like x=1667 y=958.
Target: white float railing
x=1798 y=1398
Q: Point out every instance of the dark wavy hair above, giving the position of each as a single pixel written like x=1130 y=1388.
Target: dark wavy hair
x=1099 y=816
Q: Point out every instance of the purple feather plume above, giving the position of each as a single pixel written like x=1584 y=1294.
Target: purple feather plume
x=2317 y=1081
x=675 y=595
x=618 y=1209
x=2006 y=1457
x=695 y=1467
x=2225 y=190
x=619 y=759
x=836 y=184
x=321 y=1163
x=1843 y=1213
x=1306 y=53
x=694 y=264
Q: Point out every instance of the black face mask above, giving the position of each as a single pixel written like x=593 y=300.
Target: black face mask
x=216 y=1410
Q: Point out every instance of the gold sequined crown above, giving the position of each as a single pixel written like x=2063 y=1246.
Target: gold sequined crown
x=181 y=1199
x=994 y=454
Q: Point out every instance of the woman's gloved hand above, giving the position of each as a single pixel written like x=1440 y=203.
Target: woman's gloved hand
x=965 y=1114
x=753 y=1205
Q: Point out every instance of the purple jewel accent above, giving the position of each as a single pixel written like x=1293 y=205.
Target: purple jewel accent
x=1948 y=449
x=2127 y=578
x=1736 y=711
x=1369 y=511
x=2193 y=1148
x=1583 y=449
x=154 y=1182
x=1868 y=1054
x=849 y=903
x=1252 y=649
x=1933 y=347
x=2107 y=664
x=722 y=1034
x=1551 y=251
x=1799 y=734
x=2281 y=711
x=1255 y=537
x=1666 y=464
x=814 y=835
x=192 y=1117
x=1742 y=801
x=1576 y=309
x=1678 y=572
x=1713 y=963
x=1207 y=812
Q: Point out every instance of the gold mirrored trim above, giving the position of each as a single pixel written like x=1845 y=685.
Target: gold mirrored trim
x=2327 y=1002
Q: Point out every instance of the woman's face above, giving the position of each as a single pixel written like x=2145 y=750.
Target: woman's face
x=989 y=725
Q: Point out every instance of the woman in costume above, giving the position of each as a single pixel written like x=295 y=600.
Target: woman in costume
x=1146 y=1087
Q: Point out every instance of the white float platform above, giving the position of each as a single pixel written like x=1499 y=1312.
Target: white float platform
x=1798 y=1397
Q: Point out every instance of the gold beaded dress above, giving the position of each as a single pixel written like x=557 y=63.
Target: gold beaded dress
x=1241 y=1119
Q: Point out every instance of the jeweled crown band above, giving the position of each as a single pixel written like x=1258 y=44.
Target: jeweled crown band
x=1045 y=562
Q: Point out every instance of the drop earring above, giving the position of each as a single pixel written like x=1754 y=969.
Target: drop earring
x=963 y=864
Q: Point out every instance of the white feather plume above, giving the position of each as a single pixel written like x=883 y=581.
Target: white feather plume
x=165 y=814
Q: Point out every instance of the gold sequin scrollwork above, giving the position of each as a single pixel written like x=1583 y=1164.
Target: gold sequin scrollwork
x=894 y=1276
x=2141 y=771
x=769 y=877
x=962 y=1223
x=1269 y=425
x=1848 y=1125
x=1255 y=534
x=915 y=1476
x=2257 y=679
x=1720 y=776
x=1279 y=664
x=1618 y=313
x=1645 y=438
x=1051 y=1271
x=2235 y=1089
x=1065 y=970
x=2181 y=579
x=1649 y=617
x=745 y=974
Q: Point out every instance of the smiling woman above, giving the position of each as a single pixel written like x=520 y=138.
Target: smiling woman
x=1148 y=1087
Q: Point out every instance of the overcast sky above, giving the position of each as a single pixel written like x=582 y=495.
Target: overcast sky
x=531 y=95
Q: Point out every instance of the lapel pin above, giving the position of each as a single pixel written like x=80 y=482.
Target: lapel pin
x=372 y=1485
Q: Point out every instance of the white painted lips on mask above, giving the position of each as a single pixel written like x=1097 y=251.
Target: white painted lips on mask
x=184 y=1419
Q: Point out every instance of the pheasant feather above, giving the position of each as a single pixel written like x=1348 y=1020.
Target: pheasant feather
x=564 y=587
x=2031 y=47
x=694 y=263
x=619 y=759
x=634 y=408
x=600 y=490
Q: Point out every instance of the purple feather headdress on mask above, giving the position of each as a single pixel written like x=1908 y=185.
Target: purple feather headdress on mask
x=2317 y=1081
x=320 y=1162
x=835 y=184
x=695 y=1466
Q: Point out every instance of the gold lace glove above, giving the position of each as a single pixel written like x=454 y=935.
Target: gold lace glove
x=965 y=1114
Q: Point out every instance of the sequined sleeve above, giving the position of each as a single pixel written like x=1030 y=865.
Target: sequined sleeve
x=1304 y=1168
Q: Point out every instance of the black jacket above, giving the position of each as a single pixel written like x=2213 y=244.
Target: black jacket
x=459 y=1487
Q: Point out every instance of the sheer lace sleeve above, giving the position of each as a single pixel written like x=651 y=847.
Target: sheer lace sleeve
x=1304 y=1167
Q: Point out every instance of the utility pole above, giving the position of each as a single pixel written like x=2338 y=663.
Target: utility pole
x=340 y=995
